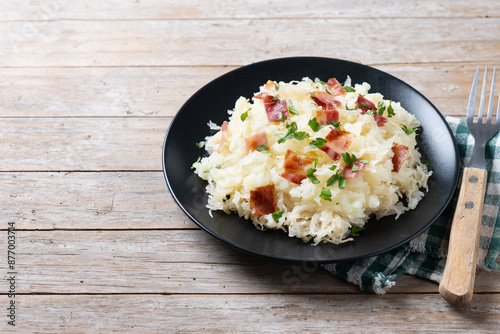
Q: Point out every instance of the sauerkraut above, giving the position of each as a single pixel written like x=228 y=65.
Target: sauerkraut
x=325 y=206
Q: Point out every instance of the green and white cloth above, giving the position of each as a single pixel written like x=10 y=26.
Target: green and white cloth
x=425 y=256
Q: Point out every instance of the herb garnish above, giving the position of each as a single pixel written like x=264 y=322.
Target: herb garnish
x=244 y=116
x=291 y=108
x=354 y=231
x=349 y=158
x=262 y=148
x=337 y=177
x=326 y=194
x=390 y=110
x=277 y=215
x=314 y=125
x=317 y=143
x=380 y=108
x=409 y=131
x=292 y=133
x=310 y=175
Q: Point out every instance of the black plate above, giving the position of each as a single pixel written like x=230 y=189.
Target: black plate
x=212 y=102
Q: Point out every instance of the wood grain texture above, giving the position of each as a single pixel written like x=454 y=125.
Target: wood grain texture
x=172 y=261
x=156 y=92
x=114 y=200
x=207 y=42
x=457 y=283
x=82 y=144
x=237 y=9
x=274 y=313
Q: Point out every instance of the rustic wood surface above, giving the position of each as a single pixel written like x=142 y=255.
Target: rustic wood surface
x=87 y=92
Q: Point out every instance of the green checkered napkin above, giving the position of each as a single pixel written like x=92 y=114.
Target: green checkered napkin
x=425 y=256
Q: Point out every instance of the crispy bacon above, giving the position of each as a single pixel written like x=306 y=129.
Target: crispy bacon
x=325 y=100
x=324 y=117
x=399 y=157
x=381 y=120
x=335 y=88
x=328 y=112
x=337 y=142
x=274 y=107
x=255 y=140
x=296 y=166
x=263 y=200
x=366 y=105
x=223 y=133
x=348 y=170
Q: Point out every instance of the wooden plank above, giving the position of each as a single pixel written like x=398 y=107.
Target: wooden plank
x=172 y=261
x=114 y=200
x=67 y=144
x=145 y=92
x=253 y=314
x=237 y=9
x=100 y=91
x=207 y=42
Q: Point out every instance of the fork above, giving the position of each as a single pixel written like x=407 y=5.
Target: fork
x=457 y=282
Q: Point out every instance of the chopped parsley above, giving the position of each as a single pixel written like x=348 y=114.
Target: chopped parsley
x=390 y=110
x=364 y=104
x=349 y=89
x=427 y=164
x=277 y=215
x=291 y=108
x=354 y=232
x=380 y=108
x=280 y=117
x=292 y=133
x=335 y=125
x=337 y=178
x=244 y=116
x=197 y=161
x=262 y=148
x=317 y=143
x=409 y=131
x=326 y=194
x=349 y=158
x=201 y=144
x=310 y=175
x=314 y=125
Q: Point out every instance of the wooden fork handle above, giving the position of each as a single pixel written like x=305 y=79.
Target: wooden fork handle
x=457 y=283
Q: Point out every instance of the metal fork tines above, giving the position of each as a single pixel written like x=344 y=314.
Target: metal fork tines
x=482 y=130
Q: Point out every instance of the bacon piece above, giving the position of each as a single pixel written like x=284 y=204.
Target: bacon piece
x=328 y=104
x=366 y=105
x=296 y=166
x=381 y=120
x=325 y=100
x=255 y=140
x=399 y=157
x=335 y=88
x=324 y=117
x=348 y=170
x=274 y=107
x=223 y=133
x=263 y=200
x=337 y=142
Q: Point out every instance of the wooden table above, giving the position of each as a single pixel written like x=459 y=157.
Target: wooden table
x=87 y=92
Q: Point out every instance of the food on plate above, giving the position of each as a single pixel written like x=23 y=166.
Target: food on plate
x=314 y=159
